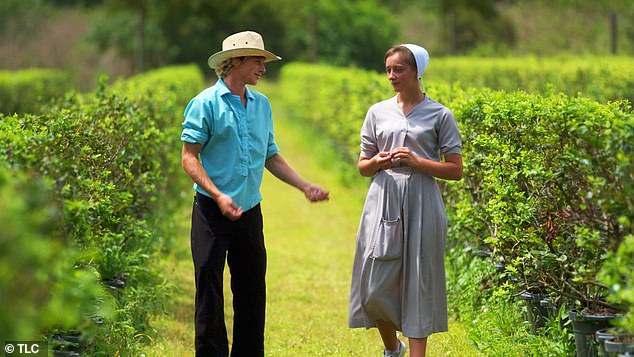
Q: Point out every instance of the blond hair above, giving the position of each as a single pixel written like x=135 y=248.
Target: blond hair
x=224 y=68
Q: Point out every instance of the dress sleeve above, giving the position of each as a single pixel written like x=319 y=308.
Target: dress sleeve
x=196 y=128
x=448 y=134
x=369 y=147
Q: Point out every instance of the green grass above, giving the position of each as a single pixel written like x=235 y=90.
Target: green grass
x=310 y=250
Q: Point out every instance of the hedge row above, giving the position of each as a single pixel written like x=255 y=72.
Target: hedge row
x=548 y=184
x=600 y=78
x=26 y=91
x=38 y=286
x=110 y=158
x=548 y=187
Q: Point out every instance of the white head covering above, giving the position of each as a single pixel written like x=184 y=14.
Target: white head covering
x=421 y=56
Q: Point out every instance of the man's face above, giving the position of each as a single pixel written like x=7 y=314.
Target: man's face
x=251 y=69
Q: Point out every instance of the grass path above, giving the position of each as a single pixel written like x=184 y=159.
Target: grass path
x=310 y=249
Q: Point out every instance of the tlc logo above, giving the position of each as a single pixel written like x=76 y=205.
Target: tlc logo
x=28 y=349
x=21 y=348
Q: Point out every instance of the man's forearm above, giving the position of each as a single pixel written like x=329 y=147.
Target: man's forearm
x=195 y=170
x=282 y=170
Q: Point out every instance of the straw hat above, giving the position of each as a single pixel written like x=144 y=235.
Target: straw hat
x=246 y=43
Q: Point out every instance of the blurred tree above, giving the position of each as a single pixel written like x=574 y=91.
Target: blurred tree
x=155 y=32
x=396 y=5
x=613 y=10
x=141 y=9
x=470 y=23
x=195 y=29
x=11 y=8
x=72 y=3
x=348 y=32
x=132 y=31
x=20 y=18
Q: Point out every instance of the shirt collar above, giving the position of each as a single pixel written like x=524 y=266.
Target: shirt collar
x=224 y=90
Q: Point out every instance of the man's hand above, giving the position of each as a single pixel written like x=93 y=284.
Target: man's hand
x=228 y=208
x=280 y=169
x=315 y=193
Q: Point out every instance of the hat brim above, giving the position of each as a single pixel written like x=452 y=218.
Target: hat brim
x=217 y=58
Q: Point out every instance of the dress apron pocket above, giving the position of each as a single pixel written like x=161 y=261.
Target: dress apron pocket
x=388 y=243
x=381 y=274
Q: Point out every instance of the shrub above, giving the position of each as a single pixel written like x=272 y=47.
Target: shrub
x=39 y=289
x=616 y=273
x=600 y=78
x=110 y=161
x=550 y=180
x=26 y=91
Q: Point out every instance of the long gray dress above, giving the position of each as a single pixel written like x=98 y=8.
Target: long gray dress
x=398 y=273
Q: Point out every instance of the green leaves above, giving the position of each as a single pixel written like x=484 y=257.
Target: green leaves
x=600 y=78
x=616 y=273
x=548 y=183
x=26 y=91
x=108 y=158
x=547 y=176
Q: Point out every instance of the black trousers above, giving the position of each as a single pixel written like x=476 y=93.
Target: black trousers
x=214 y=239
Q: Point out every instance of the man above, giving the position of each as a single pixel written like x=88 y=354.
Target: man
x=227 y=141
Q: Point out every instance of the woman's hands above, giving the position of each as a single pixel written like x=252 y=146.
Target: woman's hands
x=402 y=156
x=385 y=160
x=449 y=169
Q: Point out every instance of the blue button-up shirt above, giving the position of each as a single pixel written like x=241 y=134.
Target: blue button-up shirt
x=236 y=141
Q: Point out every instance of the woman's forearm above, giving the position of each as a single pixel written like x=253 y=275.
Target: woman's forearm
x=450 y=169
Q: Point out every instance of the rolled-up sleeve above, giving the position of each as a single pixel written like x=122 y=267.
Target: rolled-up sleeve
x=448 y=134
x=196 y=128
x=369 y=146
x=272 y=148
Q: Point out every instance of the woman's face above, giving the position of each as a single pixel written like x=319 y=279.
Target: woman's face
x=401 y=74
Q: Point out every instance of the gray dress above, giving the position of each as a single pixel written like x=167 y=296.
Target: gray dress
x=398 y=273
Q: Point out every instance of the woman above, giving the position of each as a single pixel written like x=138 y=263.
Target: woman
x=407 y=141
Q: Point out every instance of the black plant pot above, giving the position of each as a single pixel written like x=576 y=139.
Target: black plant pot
x=585 y=327
x=536 y=314
x=547 y=308
x=68 y=343
x=620 y=345
x=114 y=283
x=99 y=320
x=600 y=337
x=65 y=354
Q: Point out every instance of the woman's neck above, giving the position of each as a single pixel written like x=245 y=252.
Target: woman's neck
x=410 y=97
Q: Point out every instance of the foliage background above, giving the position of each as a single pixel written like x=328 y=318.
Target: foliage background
x=88 y=37
x=77 y=40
